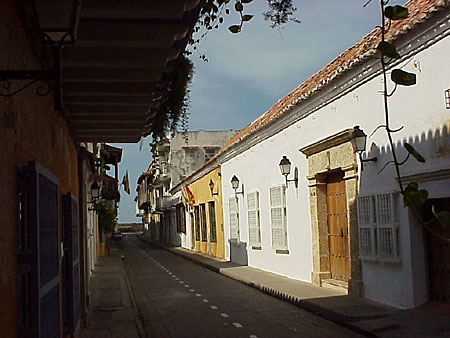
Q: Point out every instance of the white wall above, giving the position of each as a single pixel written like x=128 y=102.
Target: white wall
x=258 y=170
x=420 y=109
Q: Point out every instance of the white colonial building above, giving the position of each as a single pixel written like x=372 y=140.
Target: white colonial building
x=312 y=232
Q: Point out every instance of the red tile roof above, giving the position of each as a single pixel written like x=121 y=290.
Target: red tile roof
x=419 y=11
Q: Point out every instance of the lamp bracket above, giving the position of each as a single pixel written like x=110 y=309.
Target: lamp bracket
x=295 y=179
x=239 y=192
x=38 y=75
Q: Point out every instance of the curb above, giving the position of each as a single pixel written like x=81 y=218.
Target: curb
x=137 y=315
x=317 y=310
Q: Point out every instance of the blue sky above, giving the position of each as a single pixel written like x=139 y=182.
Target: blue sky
x=249 y=72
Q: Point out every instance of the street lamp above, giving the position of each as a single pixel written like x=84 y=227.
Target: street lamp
x=285 y=168
x=359 y=139
x=95 y=195
x=211 y=187
x=235 y=186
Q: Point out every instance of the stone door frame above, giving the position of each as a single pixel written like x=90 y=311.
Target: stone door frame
x=326 y=156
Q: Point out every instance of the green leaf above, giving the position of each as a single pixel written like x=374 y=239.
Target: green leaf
x=414 y=152
x=443 y=218
x=413 y=196
x=396 y=12
x=388 y=49
x=234 y=29
x=403 y=78
x=238 y=6
x=247 y=17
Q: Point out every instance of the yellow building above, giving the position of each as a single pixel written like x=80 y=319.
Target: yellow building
x=208 y=214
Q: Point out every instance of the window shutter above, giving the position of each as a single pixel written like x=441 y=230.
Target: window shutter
x=38 y=286
x=366 y=230
x=378 y=225
x=253 y=219
x=278 y=217
x=234 y=218
x=71 y=287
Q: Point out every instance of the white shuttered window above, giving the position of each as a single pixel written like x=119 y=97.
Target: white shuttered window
x=378 y=226
x=234 y=218
x=253 y=219
x=278 y=219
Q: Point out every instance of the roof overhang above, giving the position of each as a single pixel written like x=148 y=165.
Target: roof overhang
x=120 y=63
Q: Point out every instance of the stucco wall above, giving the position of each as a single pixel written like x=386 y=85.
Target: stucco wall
x=179 y=165
x=420 y=109
x=202 y=194
x=30 y=130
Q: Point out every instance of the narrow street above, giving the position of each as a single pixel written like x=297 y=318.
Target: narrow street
x=177 y=298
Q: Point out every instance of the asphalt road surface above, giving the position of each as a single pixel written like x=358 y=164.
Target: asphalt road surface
x=177 y=298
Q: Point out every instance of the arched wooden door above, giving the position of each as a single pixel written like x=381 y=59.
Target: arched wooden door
x=338 y=241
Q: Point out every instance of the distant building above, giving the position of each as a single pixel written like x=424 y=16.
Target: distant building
x=175 y=158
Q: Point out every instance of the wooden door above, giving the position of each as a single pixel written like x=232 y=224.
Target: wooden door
x=438 y=253
x=338 y=243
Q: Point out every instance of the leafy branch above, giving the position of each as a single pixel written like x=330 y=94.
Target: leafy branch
x=213 y=12
x=413 y=197
x=174 y=103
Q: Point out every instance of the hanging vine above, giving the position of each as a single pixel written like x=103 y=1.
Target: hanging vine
x=413 y=197
x=173 y=108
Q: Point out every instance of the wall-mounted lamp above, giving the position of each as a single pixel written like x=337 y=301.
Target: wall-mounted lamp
x=95 y=195
x=235 y=186
x=55 y=23
x=358 y=140
x=285 y=168
x=211 y=187
x=447 y=98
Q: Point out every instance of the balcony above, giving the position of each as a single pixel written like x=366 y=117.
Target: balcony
x=110 y=189
x=143 y=199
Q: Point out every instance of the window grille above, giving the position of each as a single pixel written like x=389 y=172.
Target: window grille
x=378 y=226
x=203 y=222
x=234 y=218
x=209 y=153
x=253 y=219
x=278 y=219
x=197 y=222
x=181 y=218
x=212 y=221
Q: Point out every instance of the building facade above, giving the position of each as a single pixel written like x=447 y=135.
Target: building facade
x=343 y=224
x=175 y=158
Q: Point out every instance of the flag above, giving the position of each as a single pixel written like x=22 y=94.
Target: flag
x=126 y=183
x=187 y=196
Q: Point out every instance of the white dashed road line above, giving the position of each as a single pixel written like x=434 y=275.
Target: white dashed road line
x=214 y=307
x=224 y=315
x=238 y=325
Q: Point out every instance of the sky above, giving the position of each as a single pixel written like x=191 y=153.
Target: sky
x=247 y=73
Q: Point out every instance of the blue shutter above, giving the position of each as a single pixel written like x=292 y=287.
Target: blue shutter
x=71 y=287
x=39 y=253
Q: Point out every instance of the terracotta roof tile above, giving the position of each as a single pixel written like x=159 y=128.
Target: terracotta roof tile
x=419 y=11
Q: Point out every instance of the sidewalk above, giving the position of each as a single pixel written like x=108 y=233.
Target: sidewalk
x=111 y=311
x=358 y=314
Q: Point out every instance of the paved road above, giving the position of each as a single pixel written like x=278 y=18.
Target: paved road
x=177 y=298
